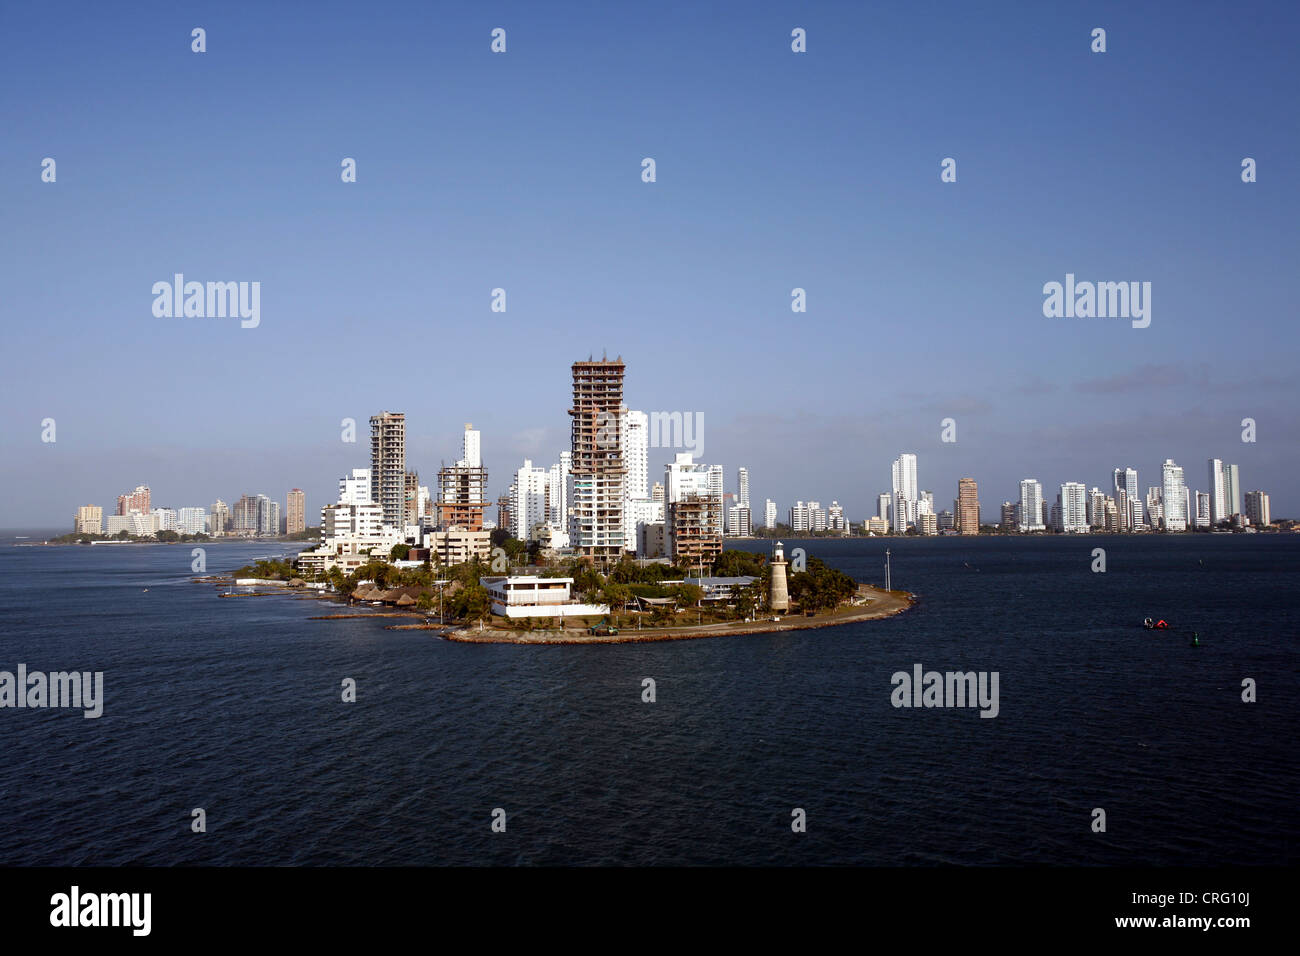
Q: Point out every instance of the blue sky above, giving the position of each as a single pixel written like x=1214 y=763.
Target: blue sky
x=522 y=171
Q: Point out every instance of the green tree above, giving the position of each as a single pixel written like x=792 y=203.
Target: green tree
x=821 y=588
x=616 y=595
x=734 y=563
x=689 y=594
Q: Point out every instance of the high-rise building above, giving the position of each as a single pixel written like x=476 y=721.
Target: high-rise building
x=296 y=513
x=1173 y=496
x=905 y=495
x=691 y=512
x=1218 y=495
x=637 y=506
x=1031 y=505
x=738 y=521
x=1074 y=507
x=1155 y=506
x=835 y=517
x=1126 y=481
x=800 y=518
x=462 y=489
x=528 y=500
x=817 y=516
x=1008 y=520
x=1112 y=523
x=968 y=506
x=192 y=520
x=411 y=498
x=354 y=488
x=717 y=481
x=388 y=466
x=219 y=519
x=89 y=520
x=1232 y=489
x=742 y=487
x=769 y=515
x=1096 y=509
x=244 y=515
x=137 y=500
x=1203 y=509
x=469 y=447
x=1257 y=508
x=636 y=454
x=596 y=521
x=558 y=488
x=268 y=516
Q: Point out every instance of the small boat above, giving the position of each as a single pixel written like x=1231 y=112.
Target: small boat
x=146 y=591
x=1160 y=625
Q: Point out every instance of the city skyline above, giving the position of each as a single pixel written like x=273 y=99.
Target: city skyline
x=461 y=501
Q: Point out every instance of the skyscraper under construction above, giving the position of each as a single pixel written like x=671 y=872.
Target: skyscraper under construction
x=596 y=509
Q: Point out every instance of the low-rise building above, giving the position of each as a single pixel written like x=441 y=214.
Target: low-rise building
x=531 y=596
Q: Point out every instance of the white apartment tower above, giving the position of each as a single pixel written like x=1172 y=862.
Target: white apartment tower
x=1218 y=493
x=636 y=454
x=1074 y=507
x=528 y=500
x=470 y=454
x=1173 y=496
x=1031 y=505
x=905 y=491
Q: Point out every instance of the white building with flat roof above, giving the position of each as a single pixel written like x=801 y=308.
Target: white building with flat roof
x=354 y=488
x=532 y=596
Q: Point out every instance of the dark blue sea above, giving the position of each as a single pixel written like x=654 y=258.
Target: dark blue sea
x=234 y=705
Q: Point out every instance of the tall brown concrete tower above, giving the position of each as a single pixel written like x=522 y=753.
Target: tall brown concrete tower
x=596 y=522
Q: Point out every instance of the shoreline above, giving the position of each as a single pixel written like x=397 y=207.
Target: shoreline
x=882 y=604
